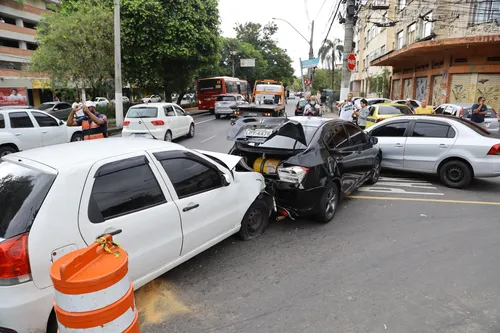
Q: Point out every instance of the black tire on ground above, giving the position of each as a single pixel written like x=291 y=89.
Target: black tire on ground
x=211 y=111
x=77 y=137
x=455 y=174
x=328 y=203
x=217 y=116
x=52 y=326
x=377 y=166
x=168 y=137
x=191 y=131
x=6 y=150
x=255 y=221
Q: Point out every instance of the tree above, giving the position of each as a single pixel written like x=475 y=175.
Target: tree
x=167 y=42
x=329 y=52
x=75 y=46
x=321 y=79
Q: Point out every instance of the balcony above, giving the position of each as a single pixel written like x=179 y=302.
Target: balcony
x=11 y=31
x=12 y=51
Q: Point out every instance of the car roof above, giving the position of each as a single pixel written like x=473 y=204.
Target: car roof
x=158 y=105
x=18 y=110
x=90 y=151
x=312 y=121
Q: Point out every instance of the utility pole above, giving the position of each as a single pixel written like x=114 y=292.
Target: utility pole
x=302 y=75
x=348 y=39
x=311 y=51
x=118 y=68
x=233 y=55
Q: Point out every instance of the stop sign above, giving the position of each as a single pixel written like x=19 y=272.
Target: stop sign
x=351 y=62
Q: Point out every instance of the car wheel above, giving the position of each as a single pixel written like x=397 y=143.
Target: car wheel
x=77 y=137
x=329 y=203
x=52 y=326
x=191 y=131
x=168 y=136
x=255 y=221
x=377 y=166
x=6 y=150
x=455 y=174
x=217 y=116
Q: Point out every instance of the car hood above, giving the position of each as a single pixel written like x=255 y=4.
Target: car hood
x=229 y=160
x=260 y=130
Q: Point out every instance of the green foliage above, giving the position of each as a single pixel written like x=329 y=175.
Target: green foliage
x=76 y=46
x=380 y=83
x=322 y=79
x=244 y=51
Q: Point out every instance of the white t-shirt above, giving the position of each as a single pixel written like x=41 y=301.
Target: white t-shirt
x=79 y=112
x=346 y=111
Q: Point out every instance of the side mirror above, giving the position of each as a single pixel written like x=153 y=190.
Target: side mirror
x=226 y=179
x=374 y=140
x=61 y=122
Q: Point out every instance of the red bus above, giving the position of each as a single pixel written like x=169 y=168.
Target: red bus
x=208 y=90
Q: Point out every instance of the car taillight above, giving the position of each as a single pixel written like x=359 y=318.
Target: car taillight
x=158 y=122
x=297 y=108
x=237 y=112
x=379 y=120
x=267 y=114
x=495 y=150
x=14 y=261
x=126 y=123
x=293 y=174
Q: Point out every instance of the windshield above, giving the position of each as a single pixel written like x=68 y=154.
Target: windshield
x=22 y=192
x=226 y=98
x=142 y=113
x=302 y=103
x=45 y=106
x=283 y=142
x=210 y=84
x=393 y=109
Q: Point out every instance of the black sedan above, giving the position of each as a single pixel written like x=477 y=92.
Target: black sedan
x=299 y=108
x=309 y=163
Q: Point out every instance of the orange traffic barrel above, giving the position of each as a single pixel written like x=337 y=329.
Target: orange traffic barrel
x=93 y=292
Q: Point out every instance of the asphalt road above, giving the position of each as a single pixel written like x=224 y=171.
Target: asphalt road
x=405 y=255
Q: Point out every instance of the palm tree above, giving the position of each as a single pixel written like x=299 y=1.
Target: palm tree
x=329 y=52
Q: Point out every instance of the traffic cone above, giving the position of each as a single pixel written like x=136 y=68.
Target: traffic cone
x=93 y=292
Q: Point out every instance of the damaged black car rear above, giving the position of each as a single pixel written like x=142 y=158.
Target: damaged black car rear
x=309 y=163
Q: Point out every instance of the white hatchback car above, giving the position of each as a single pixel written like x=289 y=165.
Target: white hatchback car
x=161 y=121
x=170 y=203
x=22 y=129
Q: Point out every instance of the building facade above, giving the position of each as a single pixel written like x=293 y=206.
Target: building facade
x=446 y=51
x=17 y=43
x=373 y=38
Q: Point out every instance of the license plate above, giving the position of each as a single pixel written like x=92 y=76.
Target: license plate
x=253 y=114
x=259 y=132
x=140 y=135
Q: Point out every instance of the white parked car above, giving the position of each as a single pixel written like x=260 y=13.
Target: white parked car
x=161 y=121
x=30 y=128
x=151 y=99
x=125 y=100
x=102 y=101
x=170 y=203
x=454 y=149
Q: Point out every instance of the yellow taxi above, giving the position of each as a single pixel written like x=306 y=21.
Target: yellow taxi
x=379 y=112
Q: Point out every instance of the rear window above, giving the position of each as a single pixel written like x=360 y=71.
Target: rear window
x=283 y=142
x=22 y=192
x=226 y=98
x=302 y=103
x=142 y=113
x=214 y=84
x=2 y=121
x=393 y=109
x=45 y=106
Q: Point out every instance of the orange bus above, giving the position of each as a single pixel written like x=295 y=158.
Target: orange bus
x=208 y=89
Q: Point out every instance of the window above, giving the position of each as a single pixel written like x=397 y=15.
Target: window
x=391 y=130
x=356 y=135
x=427 y=26
x=123 y=192
x=190 y=177
x=485 y=11
x=44 y=120
x=225 y=98
x=169 y=111
x=232 y=87
x=411 y=33
x=45 y=106
x=401 y=4
x=178 y=111
x=393 y=109
x=20 y=120
x=142 y=113
x=337 y=138
x=240 y=99
x=364 y=64
x=64 y=106
x=399 y=40
x=432 y=130
x=2 y=121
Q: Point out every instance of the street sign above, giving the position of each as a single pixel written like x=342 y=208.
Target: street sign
x=351 y=62
x=247 y=62
x=310 y=63
x=307 y=82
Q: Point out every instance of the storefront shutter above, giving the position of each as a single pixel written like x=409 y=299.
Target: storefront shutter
x=461 y=89
x=488 y=85
x=436 y=90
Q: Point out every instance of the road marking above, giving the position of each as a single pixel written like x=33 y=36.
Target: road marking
x=210 y=138
x=392 y=190
x=403 y=180
x=426 y=200
x=204 y=121
x=411 y=184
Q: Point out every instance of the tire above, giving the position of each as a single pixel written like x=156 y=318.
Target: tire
x=328 y=203
x=217 y=116
x=455 y=174
x=377 y=166
x=191 y=131
x=255 y=221
x=168 y=137
x=77 y=137
x=6 y=150
x=52 y=326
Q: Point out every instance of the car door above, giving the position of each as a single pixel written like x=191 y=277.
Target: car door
x=183 y=120
x=174 y=122
x=392 y=141
x=52 y=132
x=23 y=127
x=360 y=143
x=206 y=205
x=372 y=117
x=127 y=193
x=428 y=142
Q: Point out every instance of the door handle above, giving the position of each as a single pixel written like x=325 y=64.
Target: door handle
x=442 y=145
x=44 y=132
x=399 y=145
x=17 y=134
x=190 y=207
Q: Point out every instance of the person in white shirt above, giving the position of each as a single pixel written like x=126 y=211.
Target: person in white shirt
x=15 y=95
x=347 y=108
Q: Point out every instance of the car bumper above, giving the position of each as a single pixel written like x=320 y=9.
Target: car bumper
x=300 y=201
x=488 y=166
x=25 y=308
x=157 y=133
x=223 y=110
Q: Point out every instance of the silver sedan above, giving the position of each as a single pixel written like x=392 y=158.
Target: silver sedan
x=455 y=149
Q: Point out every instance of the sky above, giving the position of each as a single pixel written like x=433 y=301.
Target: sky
x=298 y=12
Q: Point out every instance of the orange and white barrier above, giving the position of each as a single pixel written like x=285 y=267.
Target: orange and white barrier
x=93 y=291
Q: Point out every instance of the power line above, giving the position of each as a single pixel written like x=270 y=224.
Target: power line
x=333 y=21
x=320 y=8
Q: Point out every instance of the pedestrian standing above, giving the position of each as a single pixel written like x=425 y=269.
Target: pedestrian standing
x=479 y=111
x=347 y=108
x=323 y=101
x=408 y=104
x=424 y=108
x=94 y=125
x=363 y=114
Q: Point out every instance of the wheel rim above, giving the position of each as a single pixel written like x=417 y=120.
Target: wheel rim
x=78 y=138
x=331 y=203
x=191 y=130
x=455 y=174
x=376 y=173
x=254 y=221
x=5 y=153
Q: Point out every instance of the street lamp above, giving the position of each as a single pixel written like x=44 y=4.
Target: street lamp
x=310 y=42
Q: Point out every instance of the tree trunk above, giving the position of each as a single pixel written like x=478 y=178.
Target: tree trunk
x=181 y=96
x=167 y=91
x=333 y=70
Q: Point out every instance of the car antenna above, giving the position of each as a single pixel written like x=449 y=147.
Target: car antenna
x=142 y=120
